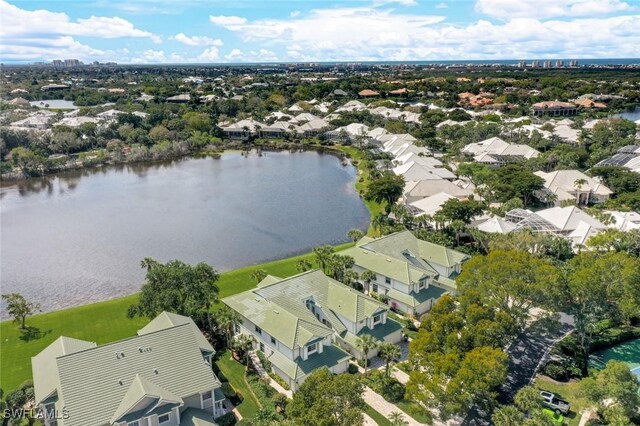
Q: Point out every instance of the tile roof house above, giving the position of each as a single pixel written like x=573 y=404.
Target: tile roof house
x=554 y=108
x=161 y=376
x=566 y=185
x=368 y=93
x=415 y=191
x=496 y=152
x=411 y=272
x=310 y=321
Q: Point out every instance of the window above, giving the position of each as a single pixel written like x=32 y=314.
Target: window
x=421 y=285
x=258 y=330
x=273 y=340
x=135 y=423
x=375 y=288
x=262 y=346
x=377 y=319
x=312 y=348
x=163 y=418
x=387 y=280
x=206 y=396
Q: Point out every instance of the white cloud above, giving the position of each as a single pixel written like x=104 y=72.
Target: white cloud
x=442 y=5
x=210 y=54
x=545 y=9
x=294 y=14
x=150 y=57
x=384 y=34
x=401 y=2
x=18 y=22
x=261 y=55
x=226 y=21
x=197 y=40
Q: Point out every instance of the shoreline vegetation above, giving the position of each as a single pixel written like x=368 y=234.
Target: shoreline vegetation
x=107 y=321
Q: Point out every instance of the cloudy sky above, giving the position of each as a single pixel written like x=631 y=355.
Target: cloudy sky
x=216 y=31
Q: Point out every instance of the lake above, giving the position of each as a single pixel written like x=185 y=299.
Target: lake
x=631 y=114
x=79 y=236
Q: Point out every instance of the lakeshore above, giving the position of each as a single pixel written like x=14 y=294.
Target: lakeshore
x=107 y=321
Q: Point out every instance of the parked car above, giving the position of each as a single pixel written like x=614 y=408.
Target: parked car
x=559 y=406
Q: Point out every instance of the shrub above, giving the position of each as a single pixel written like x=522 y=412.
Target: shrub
x=352 y=369
x=228 y=419
x=556 y=371
x=393 y=391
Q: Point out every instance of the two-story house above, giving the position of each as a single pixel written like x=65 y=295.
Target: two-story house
x=310 y=321
x=410 y=272
x=161 y=377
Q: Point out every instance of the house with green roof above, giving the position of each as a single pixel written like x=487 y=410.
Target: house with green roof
x=161 y=377
x=410 y=272
x=310 y=321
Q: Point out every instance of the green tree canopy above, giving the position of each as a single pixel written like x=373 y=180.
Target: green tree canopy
x=325 y=399
x=176 y=287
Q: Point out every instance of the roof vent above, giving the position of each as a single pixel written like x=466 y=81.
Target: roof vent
x=140 y=349
x=120 y=382
x=388 y=260
x=275 y=312
x=155 y=370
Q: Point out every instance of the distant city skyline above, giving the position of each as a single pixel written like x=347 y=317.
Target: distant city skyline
x=222 y=31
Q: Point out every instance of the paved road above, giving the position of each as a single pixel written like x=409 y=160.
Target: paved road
x=525 y=354
x=527 y=351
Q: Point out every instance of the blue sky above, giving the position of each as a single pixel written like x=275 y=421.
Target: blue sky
x=217 y=31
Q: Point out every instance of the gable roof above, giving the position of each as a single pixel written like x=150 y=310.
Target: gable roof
x=45 y=369
x=564 y=181
x=140 y=389
x=94 y=382
x=279 y=308
x=568 y=218
x=168 y=319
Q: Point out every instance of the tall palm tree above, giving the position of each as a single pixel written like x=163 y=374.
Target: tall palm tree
x=578 y=184
x=354 y=234
x=507 y=415
x=259 y=275
x=303 y=265
x=367 y=277
x=227 y=320
x=366 y=344
x=389 y=352
x=397 y=419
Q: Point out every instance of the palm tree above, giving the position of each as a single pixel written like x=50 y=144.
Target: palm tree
x=303 y=265
x=528 y=400
x=365 y=344
x=259 y=275
x=227 y=319
x=367 y=277
x=354 y=234
x=507 y=415
x=323 y=256
x=578 y=184
x=397 y=419
x=242 y=344
x=389 y=352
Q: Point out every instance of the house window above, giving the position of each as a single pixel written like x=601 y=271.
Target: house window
x=205 y=398
x=421 y=285
x=312 y=348
x=163 y=418
x=377 y=319
x=387 y=280
x=258 y=330
x=375 y=288
x=262 y=346
x=136 y=423
x=273 y=340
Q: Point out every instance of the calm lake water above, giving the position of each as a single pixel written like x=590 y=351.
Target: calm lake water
x=80 y=236
x=632 y=114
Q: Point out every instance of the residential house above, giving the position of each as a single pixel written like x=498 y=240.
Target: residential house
x=368 y=93
x=496 y=152
x=163 y=376
x=310 y=321
x=418 y=190
x=573 y=186
x=410 y=272
x=243 y=129
x=627 y=156
x=554 y=108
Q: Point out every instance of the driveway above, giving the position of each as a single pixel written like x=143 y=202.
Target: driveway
x=527 y=352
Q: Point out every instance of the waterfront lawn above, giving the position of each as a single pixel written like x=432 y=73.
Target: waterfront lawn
x=105 y=322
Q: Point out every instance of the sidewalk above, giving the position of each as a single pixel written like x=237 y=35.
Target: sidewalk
x=384 y=407
x=257 y=365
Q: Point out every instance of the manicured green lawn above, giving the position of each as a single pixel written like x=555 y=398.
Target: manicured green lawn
x=377 y=417
x=105 y=322
x=234 y=373
x=418 y=414
x=568 y=391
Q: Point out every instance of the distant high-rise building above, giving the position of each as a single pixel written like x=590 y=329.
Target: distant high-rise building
x=573 y=63
x=522 y=64
x=535 y=64
x=546 y=64
x=72 y=63
x=57 y=63
x=559 y=63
